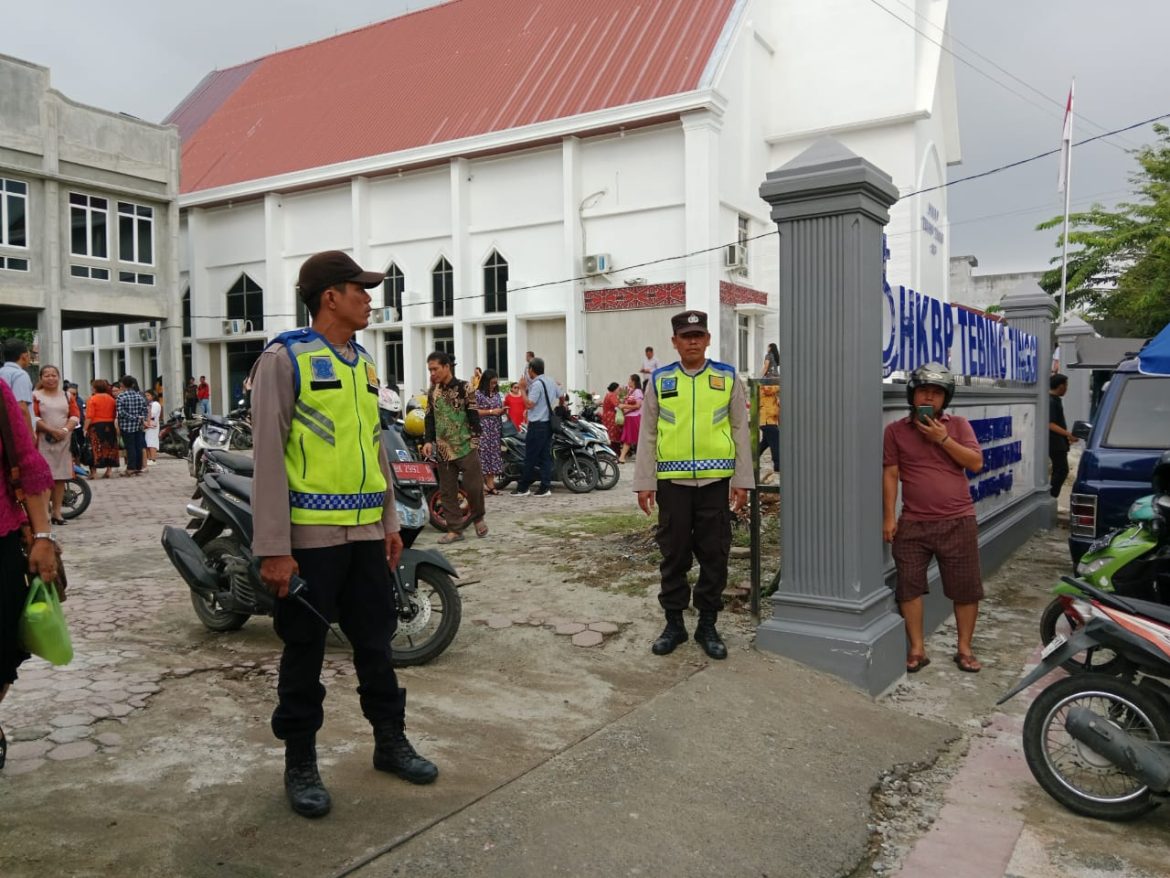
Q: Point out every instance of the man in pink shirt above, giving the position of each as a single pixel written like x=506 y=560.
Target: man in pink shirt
x=930 y=454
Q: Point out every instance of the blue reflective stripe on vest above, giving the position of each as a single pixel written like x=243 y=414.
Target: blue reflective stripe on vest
x=687 y=466
x=336 y=501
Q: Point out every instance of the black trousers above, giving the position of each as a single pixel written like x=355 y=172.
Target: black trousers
x=693 y=524
x=1059 y=460
x=349 y=584
x=537 y=455
x=13 y=594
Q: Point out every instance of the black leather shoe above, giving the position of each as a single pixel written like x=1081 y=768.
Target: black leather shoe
x=393 y=753
x=708 y=638
x=673 y=635
x=306 y=793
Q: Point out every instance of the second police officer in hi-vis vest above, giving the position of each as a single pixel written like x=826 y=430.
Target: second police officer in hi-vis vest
x=324 y=509
x=694 y=460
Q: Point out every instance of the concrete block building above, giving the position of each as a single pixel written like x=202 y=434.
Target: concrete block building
x=89 y=231
x=556 y=177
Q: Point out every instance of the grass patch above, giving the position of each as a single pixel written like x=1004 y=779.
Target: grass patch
x=596 y=524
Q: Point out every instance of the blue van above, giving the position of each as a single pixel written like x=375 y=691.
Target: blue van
x=1130 y=431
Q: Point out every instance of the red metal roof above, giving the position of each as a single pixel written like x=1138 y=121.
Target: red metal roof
x=464 y=68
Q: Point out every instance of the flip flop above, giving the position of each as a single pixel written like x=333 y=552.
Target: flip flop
x=481 y=529
x=450 y=537
x=967 y=663
x=915 y=663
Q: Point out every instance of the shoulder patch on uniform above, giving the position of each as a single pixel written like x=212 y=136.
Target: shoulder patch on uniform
x=670 y=383
x=322 y=368
x=717 y=382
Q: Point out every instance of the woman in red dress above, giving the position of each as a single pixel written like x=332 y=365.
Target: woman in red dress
x=609 y=408
x=516 y=404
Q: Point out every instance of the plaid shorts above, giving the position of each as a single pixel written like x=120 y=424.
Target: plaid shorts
x=954 y=542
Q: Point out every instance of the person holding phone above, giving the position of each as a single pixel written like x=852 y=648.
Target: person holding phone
x=930 y=454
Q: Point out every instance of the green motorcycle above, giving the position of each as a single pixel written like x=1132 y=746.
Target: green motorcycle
x=1123 y=561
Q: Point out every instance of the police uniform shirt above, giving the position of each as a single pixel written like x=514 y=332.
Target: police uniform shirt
x=646 y=460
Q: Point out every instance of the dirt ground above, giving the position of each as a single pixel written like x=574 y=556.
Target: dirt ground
x=174 y=770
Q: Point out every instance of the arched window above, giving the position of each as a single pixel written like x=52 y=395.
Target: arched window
x=442 y=289
x=393 y=287
x=495 y=283
x=245 y=301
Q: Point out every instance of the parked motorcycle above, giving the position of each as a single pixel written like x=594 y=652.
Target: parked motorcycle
x=1100 y=744
x=1133 y=561
x=574 y=459
x=217 y=563
x=596 y=439
x=214 y=431
x=174 y=436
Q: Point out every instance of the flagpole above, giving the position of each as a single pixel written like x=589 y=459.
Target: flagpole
x=1067 y=197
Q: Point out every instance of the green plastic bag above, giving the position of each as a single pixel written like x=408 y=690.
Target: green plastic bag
x=42 y=625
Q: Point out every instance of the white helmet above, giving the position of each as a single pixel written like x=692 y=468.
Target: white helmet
x=388 y=400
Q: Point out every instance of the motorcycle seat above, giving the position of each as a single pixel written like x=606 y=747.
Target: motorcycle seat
x=240 y=486
x=240 y=464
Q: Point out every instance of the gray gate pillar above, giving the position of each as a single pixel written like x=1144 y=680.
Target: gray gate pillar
x=833 y=610
x=1078 y=400
x=1029 y=309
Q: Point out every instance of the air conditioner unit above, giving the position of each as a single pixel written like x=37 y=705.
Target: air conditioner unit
x=598 y=263
x=388 y=314
x=233 y=327
x=734 y=256
x=146 y=334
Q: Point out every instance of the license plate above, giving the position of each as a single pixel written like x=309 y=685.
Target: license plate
x=414 y=471
x=1056 y=643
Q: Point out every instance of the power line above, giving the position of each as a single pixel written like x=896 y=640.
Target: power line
x=1036 y=157
x=1056 y=102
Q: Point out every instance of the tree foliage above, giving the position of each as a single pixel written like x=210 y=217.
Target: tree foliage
x=1121 y=267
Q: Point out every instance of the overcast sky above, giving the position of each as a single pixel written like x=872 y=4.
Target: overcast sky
x=143 y=56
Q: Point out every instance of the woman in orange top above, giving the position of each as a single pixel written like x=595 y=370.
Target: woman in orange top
x=103 y=438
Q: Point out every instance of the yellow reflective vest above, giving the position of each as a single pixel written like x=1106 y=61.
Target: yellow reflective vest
x=331 y=456
x=694 y=427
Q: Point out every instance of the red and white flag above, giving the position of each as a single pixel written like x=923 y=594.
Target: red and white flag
x=1066 y=143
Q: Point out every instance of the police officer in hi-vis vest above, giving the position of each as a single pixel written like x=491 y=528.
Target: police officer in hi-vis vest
x=324 y=509
x=694 y=458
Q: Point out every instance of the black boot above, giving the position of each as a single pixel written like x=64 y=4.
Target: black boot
x=302 y=782
x=707 y=637
x=393 y=753
x=674 y=634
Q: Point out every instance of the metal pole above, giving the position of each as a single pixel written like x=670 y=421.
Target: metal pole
x=1067 y=194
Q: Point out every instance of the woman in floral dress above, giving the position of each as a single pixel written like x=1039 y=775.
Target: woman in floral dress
x=609 y=407
x=632 y=406
x=491 y=407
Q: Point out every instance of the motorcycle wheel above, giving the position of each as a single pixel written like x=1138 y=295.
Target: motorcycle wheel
x=609 y=473
x=241 y=440
x=579 y=474
x=214 y=617
x=439 y=515
x=77 y=498
x=1074 y=775
x=1098 y=660
x=437 y=610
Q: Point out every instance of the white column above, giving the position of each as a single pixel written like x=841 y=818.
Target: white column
x=466 y=280
x=701 y=148
x=207 y=308
x=576 y=374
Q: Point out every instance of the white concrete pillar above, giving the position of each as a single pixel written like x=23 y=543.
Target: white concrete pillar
x=576 y=336
x=703 y=273
x=467 y=306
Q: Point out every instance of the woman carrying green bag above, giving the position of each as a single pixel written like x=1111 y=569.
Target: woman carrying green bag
x=25 y=485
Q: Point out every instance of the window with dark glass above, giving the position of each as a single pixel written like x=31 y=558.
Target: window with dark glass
x=442 y=290
x=395 y=359
x=444 y=339
x=495 y=283
x=393 y=287
x=187 y=313
x=89 y=235
x=135 y=233
x=245 y=301
x=496 y=336
x=13 y=213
